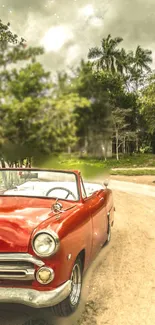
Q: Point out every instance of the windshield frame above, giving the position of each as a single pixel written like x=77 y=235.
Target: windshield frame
x=75 y=173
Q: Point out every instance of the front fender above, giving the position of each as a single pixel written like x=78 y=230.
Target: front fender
x=75 y=233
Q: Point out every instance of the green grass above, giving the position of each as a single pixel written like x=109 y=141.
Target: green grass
x=136 y=160
x=137 y=172
x=91 y=167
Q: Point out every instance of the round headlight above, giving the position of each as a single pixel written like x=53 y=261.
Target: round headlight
x=45 y=244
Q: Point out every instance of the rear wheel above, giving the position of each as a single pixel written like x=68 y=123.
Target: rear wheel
x=70 y=304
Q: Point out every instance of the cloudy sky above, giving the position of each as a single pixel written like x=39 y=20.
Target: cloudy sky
x=68 y=28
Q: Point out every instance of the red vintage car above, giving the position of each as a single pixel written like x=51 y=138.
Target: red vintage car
x=52 y=225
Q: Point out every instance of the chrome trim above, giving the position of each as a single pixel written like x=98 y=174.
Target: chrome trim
x=53 y=235
x=46 y=268
x=35 y=298
x=64 y=210
x=23 y=257
x=17 y=272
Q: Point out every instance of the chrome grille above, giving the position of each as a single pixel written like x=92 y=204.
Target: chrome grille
x=18 y=267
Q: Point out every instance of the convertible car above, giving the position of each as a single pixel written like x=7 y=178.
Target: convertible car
x=52 y=225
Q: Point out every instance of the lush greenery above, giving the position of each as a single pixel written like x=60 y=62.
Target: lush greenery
x=107 y=99
x=91 y=167
x=132 y=172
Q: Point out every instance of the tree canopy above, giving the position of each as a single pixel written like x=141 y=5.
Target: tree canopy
x=109 y=97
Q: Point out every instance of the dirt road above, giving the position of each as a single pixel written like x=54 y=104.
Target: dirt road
x=144 y=179
x=119 y=288
x=122 y=288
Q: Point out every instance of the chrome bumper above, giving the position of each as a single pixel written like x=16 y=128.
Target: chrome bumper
x=18 y=257
x=35 y=298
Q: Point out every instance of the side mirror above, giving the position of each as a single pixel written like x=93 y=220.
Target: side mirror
x=106 y=183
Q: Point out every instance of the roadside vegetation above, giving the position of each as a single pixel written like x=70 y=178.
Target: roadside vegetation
x=107 y=102
x=91 y=167
x=131 y=172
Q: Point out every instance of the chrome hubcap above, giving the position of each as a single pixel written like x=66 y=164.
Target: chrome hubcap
x=76 y=284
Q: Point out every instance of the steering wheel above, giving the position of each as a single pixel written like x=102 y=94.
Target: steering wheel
x=61 y=188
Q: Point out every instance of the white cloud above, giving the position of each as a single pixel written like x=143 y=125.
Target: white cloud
x=72 y=53
x=87 y=11
x=56 y=37
x=95 y=21
x=62 y=24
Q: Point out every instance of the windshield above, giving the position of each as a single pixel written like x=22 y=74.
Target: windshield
x=37 y=183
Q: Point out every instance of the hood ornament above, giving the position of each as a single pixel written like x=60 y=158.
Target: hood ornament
x=57 y=206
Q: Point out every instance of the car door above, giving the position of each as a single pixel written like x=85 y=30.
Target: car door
x=97 y=206
x=99 y=220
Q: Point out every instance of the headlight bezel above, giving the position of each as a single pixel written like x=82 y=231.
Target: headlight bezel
x=50 y=233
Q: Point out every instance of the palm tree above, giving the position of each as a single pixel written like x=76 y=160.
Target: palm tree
x=142 y=59
x=140 y=64
x=122 y=62
x=105 y=57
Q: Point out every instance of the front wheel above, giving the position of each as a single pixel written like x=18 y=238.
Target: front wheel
x=70 y=304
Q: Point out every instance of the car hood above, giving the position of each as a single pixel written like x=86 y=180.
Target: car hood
x=19 y=217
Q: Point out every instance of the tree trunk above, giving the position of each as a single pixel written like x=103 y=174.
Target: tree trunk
x=127 y=148
x=124 y=146
x=86 y=144
x=153 y=143
x=137 y=143
x=69 y=150
x=104 y=150
x=117 y=144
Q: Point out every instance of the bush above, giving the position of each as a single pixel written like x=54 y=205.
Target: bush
x=146 y=149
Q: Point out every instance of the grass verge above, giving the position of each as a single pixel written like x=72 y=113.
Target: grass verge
x=137 y=172
x=91 y=167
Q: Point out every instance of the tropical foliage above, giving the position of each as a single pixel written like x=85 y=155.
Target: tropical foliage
x=107 y=99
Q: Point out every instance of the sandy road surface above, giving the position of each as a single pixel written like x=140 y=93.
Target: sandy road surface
x=123 y=286
x=131 y=188
x=119 y=288
x=144 y=179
